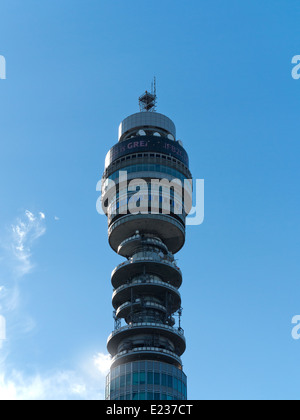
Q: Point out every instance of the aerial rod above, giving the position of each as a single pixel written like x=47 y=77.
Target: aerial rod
x=147 y=101
x=153 y=87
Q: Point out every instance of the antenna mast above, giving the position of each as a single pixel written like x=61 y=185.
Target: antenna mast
x=148 y=100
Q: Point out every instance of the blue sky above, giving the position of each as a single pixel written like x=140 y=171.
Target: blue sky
x=74 y=70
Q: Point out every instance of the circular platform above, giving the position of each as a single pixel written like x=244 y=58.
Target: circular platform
x=157 y=288
x=146 y=353
x=163 y=269
x=129 y=331
x=165 y=227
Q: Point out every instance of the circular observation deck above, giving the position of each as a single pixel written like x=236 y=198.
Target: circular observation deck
x=165 y=227
x=150 y=193
x=155 y=288
x=144 y=120
x=155 y=149
x=146 y=353
x=148 y=328
x=126 y=308
x=132 y=244
x=164 y=269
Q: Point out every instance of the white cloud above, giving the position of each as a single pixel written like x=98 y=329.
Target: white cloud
x=30 y=216
x=102 y=363
x=42 y=215
x=24 y=233
x=58 y=385
x=16 y=255
x=83 y=382
x=56 y=218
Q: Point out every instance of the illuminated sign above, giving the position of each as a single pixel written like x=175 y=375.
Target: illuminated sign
x=147 y=144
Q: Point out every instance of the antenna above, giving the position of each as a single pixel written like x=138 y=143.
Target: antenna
x=153 y=87
x=148 y=100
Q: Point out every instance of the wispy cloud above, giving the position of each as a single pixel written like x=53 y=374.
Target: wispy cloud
x=86 y=380
x=24 y=233
x=58 y=385
x=16 y=257
x=102 y=362
x=16 y=261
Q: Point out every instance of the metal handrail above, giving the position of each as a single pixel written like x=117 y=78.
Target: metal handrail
x=178 y=331
x=138 y=301
x=143 y=259
x=167 y=218
x=150 y=241
x=146 y=349
x=144 y=282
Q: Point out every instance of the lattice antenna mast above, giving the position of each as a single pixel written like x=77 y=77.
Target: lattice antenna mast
x=148 y=100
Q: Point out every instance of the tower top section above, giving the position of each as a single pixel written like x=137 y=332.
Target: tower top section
x=148 y=100
x=147 y=123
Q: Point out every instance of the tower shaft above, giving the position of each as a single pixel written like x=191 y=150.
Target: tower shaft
x=146 y=226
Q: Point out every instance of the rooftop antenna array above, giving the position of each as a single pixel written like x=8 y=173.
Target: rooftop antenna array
x=148 y=100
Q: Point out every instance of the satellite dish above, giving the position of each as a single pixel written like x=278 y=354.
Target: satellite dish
x=171 y=137
x=180 y=143
x=157 y=134
x=141 y=133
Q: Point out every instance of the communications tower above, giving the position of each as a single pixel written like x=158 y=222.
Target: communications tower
x=148 y=341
